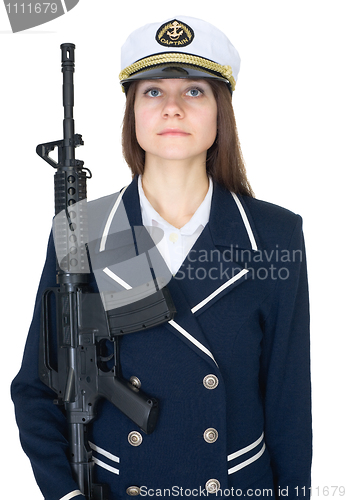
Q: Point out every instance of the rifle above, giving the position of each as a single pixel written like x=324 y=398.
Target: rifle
x=82 y=372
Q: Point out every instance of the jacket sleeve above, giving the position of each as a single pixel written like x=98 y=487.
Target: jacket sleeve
x=285 y=374
x=42 y=425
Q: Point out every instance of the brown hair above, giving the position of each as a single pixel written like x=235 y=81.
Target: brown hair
x=224 y=161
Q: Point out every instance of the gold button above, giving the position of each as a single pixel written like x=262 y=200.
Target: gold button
x=173 y=237
x=135 y=438
x=210 y=381
x=212 y=486
x=210 y=435
x=133 y=491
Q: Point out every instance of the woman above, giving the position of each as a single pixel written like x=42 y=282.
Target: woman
x=231 y=370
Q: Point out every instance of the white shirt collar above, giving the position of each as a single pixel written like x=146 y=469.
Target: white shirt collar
x=150 y=217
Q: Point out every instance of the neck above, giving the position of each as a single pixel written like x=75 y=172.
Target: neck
x=175 y=189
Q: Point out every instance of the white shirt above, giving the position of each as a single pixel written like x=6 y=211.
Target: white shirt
x=176 y=243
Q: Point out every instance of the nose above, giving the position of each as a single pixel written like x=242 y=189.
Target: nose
x=173 y=106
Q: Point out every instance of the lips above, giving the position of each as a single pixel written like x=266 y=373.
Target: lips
x=174 y=132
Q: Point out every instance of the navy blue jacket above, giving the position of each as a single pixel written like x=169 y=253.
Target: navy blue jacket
x=231 y=371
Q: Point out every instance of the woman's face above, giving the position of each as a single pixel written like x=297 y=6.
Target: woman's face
x=175 y=119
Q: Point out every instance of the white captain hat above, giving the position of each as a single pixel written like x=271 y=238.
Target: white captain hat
x=181 y=47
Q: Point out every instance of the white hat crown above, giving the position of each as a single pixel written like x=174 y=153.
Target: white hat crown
x=184 y=40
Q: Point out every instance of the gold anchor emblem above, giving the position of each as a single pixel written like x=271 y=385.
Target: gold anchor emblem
x=175 y=34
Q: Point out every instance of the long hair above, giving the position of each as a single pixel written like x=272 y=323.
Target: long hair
x=224 y=161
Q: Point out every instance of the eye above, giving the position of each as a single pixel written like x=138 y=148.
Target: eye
x=194 y=92
x=153 y=92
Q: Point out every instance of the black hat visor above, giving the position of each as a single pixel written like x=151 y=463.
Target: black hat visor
x=174 y=70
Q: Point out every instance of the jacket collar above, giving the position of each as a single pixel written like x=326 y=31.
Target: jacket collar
x=217 y=262
x=230 y=225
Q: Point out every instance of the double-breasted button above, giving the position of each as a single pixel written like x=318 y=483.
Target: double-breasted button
x=135 y=382
x=212 y=486
x=133 y=491
x=135 y=438
x=210 y=435
x=210 y=381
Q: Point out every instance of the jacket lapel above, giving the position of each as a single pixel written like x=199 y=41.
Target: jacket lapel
x=213 y=266
x=186 y=327
x=218 y=261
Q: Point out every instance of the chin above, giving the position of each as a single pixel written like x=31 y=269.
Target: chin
x=178 y=155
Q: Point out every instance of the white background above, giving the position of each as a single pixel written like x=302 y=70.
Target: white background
x=290 y=106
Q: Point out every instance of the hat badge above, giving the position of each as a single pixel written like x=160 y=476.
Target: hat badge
x=174 y=34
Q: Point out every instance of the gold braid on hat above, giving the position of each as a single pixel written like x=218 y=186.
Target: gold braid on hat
x=158 y=59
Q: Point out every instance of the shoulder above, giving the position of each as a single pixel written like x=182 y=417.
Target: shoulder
x=265 y=211
x=273 y=223
x=99 y=213
x=101 y=206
